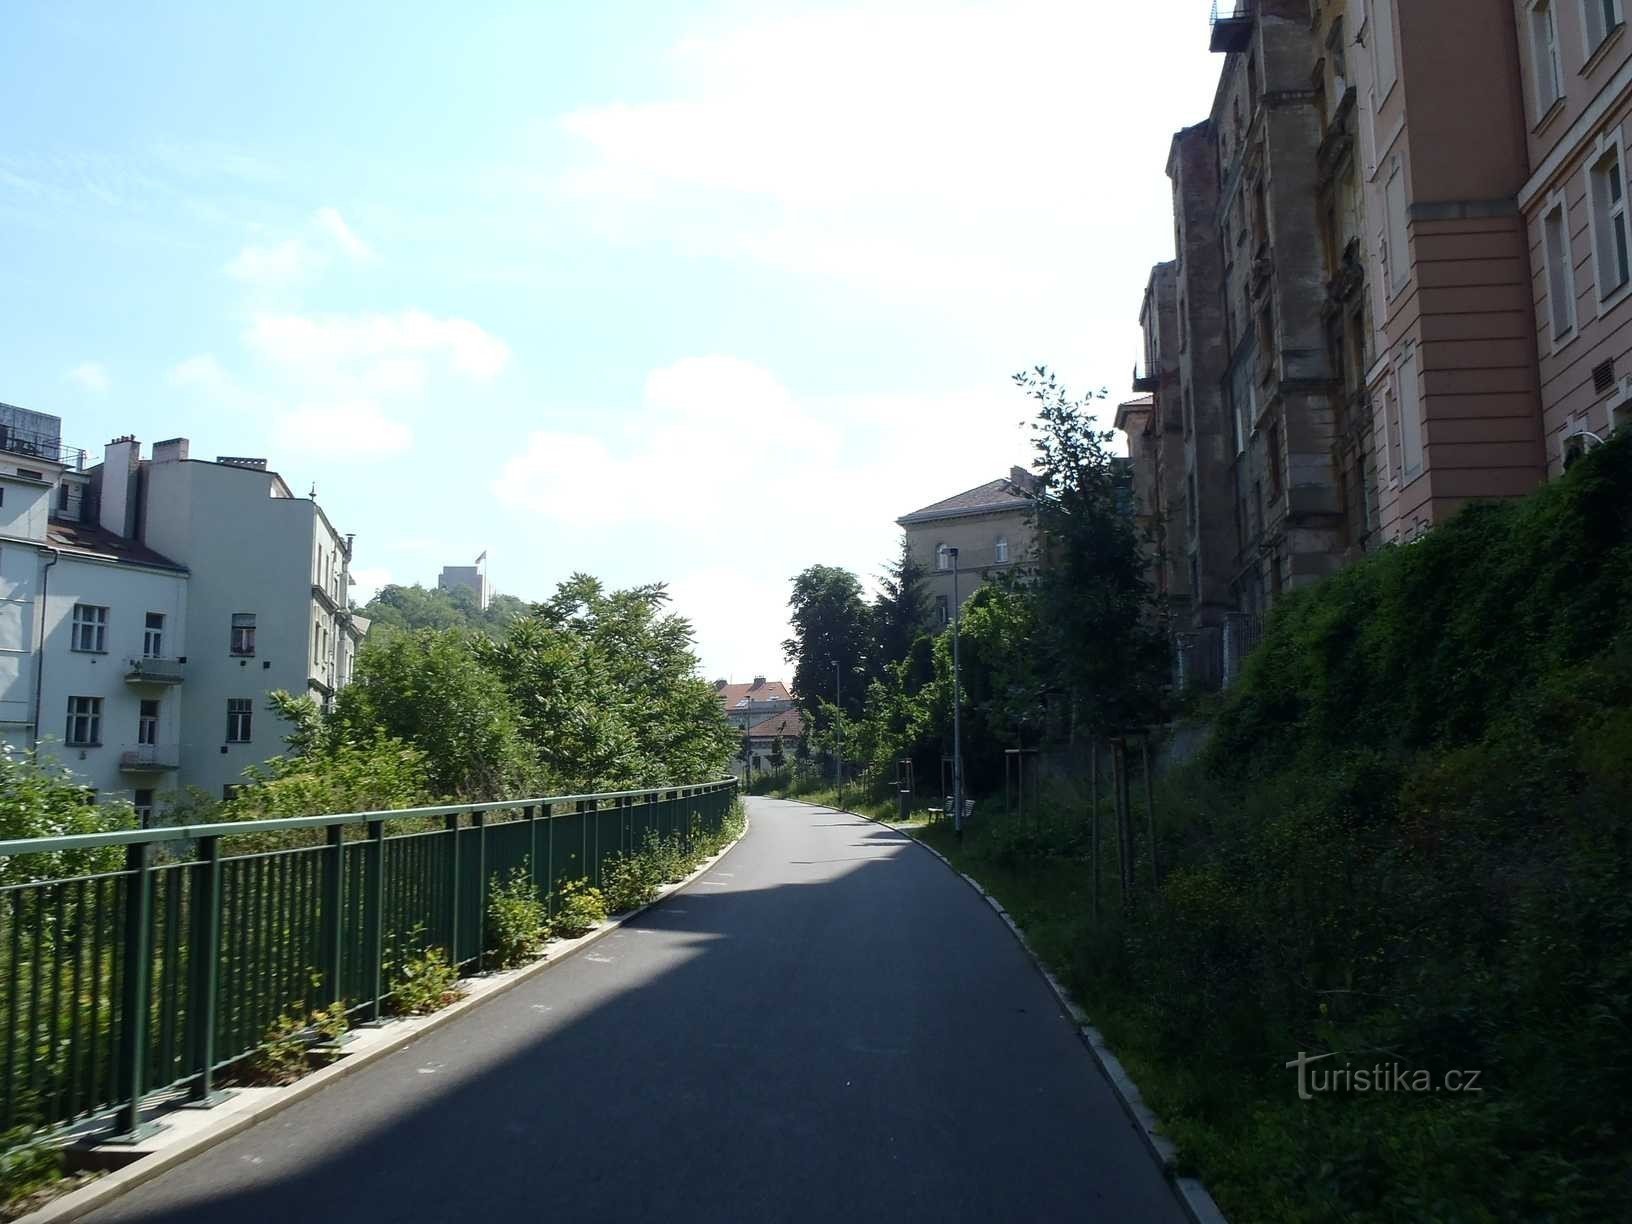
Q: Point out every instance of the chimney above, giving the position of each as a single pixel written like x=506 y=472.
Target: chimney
x=1022 y=480
x=120 y=459
x=170 y=450
x=759 y=682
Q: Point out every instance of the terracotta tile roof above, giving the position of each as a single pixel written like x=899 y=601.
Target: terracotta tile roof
x=89 y=540
x=1002 y=494
x=787 y=724
x=734 y=695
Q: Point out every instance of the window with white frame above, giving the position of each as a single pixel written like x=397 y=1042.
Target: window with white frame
x=240 y=710
x=84 y=722
x=1410 y=416
x=1555 y=232
x=1609 y=234
x=943 y=557
x=153 y=636
x=147 y=722
x=1000 y=550
x=144 y=806
x=1383 y=46
x=1602 y=18
x=1549 y=77
x=243 y=633
x=89 y=628
x=1399 y=242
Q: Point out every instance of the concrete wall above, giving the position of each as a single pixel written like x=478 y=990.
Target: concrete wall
x=975 y=538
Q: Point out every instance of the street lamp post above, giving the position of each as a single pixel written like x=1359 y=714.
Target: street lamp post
x=838 y=730
x=957 y=707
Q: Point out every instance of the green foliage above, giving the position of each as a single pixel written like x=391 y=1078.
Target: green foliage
x=429 y=689
x=831 y=624
x=39 y=798
x=515 y=920
x=424 y=984
x=370 y=776
x=285 y=1053
x=630 y=881
x=416 y=607
x=579 y=909
x=900 y=611
x=28 y=1163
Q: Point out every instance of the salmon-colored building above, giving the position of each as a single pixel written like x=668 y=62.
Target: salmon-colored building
x=1577 y=61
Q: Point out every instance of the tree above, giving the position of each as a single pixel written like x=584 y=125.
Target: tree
x=779 y=754
x=428 y=688
x=1097 y=622
x=831 y=624
x=415 y=607
x=901 y=609
x=39 y=798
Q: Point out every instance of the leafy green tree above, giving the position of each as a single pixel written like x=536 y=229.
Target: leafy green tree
x=779 y=754
x=831 y=624
x=429 y=689
x=1097 y=621
x=371 y=776
x=900 y=610
x=415 y=607
x=39 y=798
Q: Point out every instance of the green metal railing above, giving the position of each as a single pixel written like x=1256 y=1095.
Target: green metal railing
x=122 y=985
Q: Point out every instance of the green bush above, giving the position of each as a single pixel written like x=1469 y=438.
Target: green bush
x=579 y=909
x=28 y=1163
x=515 y=920
x=285 y=1053
x=424 y=984
x=629 y=882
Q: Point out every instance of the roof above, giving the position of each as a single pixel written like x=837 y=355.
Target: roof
x=89 y=540
x=993 y=496
x=788 y=724
x=1144 y=403
x=733 y=695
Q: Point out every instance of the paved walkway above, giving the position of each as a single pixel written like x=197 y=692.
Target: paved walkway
x=828 y=1026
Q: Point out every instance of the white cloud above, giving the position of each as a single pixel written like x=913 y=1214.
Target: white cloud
x=350 y=429
x=300 y=259
x=385 y=344
x=90 y=376
x=367 y=581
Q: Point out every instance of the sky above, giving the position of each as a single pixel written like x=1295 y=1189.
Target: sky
x=692 y=291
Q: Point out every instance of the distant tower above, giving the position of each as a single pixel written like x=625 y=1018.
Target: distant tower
x=472 y=577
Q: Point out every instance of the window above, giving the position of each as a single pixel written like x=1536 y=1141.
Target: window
x=1399 y=248
x=90 y=628
x=243 y=633
x=1191 y=509
x=943 y=557
x=1274 y=447
x=1560 y=275
x=153 y=636
x=1189 y=413
x=1383 y=46
x=1544 y=52
x=1000 y=550
x=144 y=806
x=147 y=723
x=1603 y=18
x=1410 y=418
x=1609 y=238
x=940 y=609
x=239 y=712
x=84 y=722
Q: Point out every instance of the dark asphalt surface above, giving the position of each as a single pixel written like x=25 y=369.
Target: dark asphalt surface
x=829 y=1026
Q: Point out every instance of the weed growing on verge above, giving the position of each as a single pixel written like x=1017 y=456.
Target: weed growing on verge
x=515 y=920
x=285 y=1052
x=425 y=983
x=580 y=908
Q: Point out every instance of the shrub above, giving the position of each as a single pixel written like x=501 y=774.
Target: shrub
x=27 y=1163
x=579 y=909
x=630 y=881
x=515 y=920
x=285 y=1052
x=425 y=983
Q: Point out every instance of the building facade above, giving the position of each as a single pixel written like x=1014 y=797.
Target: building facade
x=1577 y=62
x=748 y=704
x=472 y=578
x=974 y=535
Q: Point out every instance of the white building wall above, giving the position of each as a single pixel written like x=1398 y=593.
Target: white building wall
x=129 y=592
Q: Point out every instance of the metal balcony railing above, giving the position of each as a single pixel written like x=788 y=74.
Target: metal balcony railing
x=154 y=671
x=34 y=445
x=1232 y=24
x=149 y=758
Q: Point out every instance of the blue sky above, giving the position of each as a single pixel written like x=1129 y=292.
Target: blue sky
x=693 y=292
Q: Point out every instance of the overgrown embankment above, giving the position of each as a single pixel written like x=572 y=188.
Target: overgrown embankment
x=1406 y=844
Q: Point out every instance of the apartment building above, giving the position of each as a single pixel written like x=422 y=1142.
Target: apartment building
x=1577 y=96
x=965 y=539
x=472 y=578
x=267 y=600
x=748 y=704
x=1154 y=426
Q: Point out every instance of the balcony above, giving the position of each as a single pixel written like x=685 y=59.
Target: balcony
x=34 y=445
x=1147 y=383
x=1232 y=24
x=150 y=758
x=154 y=671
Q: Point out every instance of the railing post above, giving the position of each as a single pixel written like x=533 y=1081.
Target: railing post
x=547 y=812
x=205 y=956
x=138 y=956
x=374 y=919
x=530 y=815
x=334 y=898
x=452 y=823
x=479 y=821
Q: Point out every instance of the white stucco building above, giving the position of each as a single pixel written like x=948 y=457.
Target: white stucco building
x=147 y=607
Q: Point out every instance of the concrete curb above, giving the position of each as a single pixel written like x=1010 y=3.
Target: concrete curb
x=104 y=1190
x=1198 y=1204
